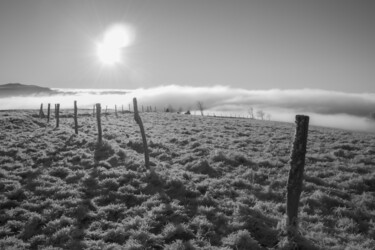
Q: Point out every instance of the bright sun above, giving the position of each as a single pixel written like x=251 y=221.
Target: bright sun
x=116 y=38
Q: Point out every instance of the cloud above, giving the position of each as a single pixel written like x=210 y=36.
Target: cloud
x=326 y=108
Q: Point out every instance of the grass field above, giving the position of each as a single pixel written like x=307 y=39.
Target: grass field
x=218 y=184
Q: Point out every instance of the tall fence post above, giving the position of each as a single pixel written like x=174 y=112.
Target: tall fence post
x=116 y=111
x=75 y=118
x=41 y=114
x=57 y=114
x=98 y=110
x=297 y=165
x=138 y=119
x=48 y=112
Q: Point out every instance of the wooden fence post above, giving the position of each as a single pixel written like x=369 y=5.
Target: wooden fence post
x=48 y=112
x=98 y=110
x=116 y=111
x=75 y=118
x=41 y=114
x=297 y=165
x=57 y=114
x=137 y=118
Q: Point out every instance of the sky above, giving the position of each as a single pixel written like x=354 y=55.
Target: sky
x=284 y=57
x=253 y=45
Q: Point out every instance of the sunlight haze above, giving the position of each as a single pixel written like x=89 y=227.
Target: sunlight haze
x=115 y=39
x=257 y=44
x=285 y=57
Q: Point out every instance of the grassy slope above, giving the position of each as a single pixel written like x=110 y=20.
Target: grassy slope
x=219 y=184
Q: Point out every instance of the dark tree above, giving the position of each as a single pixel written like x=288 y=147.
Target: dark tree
x=200 y=107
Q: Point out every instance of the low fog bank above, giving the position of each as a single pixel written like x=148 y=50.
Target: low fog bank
x=326 y=108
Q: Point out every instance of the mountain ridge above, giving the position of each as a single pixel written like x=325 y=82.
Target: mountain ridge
x=19 y=89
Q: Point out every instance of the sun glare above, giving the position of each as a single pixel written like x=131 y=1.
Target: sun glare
x=115 y=39
x=108 y=54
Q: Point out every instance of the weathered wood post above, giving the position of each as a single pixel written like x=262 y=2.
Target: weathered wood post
x=106 y=110
x=137 y=118
x=41 y=114
x=297 y=165
x=48 y=112
x=116 y=111
x=57 y=114
x=98 y=110
x=75 y=118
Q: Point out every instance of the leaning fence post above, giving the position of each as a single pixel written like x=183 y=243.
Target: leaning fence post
x=57 y=114
x=75 y=118
x=98 y=109
x=297 y=165
x=137 y=118
x=48 y=112
x=41 y=114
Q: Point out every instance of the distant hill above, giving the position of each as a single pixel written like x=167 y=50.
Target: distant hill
x=18 y=89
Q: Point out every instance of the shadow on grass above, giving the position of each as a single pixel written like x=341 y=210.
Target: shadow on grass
x=260 y=227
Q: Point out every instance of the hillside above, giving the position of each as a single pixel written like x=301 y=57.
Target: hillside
x=18 y=89
x=219 y=184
